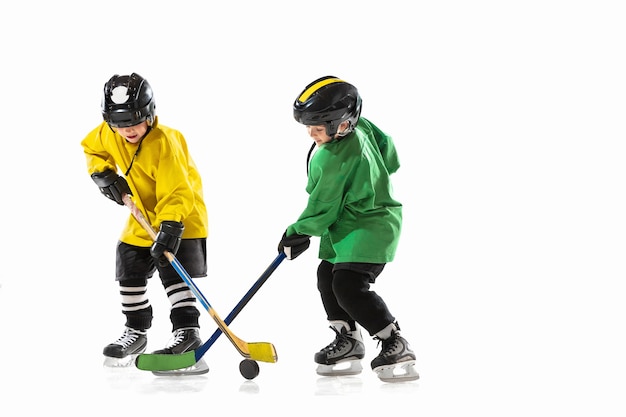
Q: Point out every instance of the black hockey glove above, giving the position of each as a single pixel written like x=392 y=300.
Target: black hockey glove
x=294 y=245
x=168 y=239
x=111 y=185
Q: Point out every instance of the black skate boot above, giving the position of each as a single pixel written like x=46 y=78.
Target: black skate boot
x=123 y=351
x=343 y=355
x=182 y=341
x=396 y=361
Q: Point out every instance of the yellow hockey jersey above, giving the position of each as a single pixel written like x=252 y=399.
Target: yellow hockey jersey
x=164 y=179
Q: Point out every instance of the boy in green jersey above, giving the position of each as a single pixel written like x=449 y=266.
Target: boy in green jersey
x=352 y=209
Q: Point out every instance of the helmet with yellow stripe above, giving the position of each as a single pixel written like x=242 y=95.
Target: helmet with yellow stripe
x=328 y=101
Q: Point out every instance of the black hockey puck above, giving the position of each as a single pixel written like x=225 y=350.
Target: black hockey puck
x=249 y=369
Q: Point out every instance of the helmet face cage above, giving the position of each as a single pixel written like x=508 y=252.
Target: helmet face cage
x=127 y=101
x=328 y=101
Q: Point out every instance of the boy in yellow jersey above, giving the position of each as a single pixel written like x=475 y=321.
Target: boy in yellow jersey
x=352 y=209
x=165 y=185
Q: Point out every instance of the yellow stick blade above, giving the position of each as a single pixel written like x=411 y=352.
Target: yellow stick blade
x=262 y=351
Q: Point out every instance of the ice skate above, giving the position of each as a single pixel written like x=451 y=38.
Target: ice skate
x=123 y=351
x=396 y=361
x=343 y=355
x=184 y=340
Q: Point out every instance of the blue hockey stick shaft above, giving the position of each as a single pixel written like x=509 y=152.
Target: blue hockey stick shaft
x=200 y=351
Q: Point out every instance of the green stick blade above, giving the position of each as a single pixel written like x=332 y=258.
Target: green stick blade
x=165 y=362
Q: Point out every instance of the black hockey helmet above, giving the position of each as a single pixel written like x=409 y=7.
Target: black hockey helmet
x=127 y=101
x=328 y=101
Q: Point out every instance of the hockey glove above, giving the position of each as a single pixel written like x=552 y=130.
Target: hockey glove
x=111 y=185
x=294 y=245
x=168 y=239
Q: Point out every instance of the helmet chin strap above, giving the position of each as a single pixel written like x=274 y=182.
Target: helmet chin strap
x=132 y=161
x=308 y=157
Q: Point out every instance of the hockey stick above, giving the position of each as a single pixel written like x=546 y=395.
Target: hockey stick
x=261 y=351
x=167 y=362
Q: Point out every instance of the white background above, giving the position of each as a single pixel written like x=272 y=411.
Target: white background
x=509 y=120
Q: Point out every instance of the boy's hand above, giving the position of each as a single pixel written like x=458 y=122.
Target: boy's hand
x=111 y=185
x=294 y=245
x=168 y=239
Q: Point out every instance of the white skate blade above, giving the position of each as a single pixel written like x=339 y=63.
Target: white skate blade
x=349 y=367
x=199 y=368
x=125 y=362
x=399 y=372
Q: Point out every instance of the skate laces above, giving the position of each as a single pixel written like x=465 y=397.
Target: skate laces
x=177 y=338
x=389 y=345
x=340 y=341
x=129 y=337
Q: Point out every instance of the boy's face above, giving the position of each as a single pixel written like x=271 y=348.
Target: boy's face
x=318 y=133
x=133 y=134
